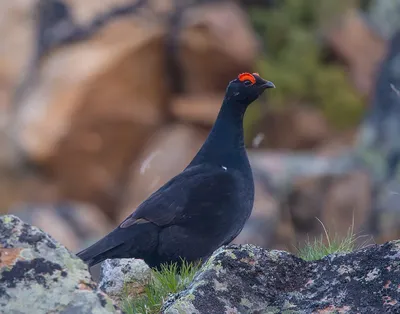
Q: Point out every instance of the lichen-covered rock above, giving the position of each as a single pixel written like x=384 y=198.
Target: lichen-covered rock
x=38 y=275
x=125 y=277
x=248 y=279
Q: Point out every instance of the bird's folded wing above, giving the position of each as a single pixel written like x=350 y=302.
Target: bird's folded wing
x=185 y=196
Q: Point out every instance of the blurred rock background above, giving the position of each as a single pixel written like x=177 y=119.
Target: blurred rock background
x=103 y=101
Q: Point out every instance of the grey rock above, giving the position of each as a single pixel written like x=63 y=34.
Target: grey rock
x=124 y=277
x=39 y=275
x=383 y=16
x=378 y=147
x=248 y=279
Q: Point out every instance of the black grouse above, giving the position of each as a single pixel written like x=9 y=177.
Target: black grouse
x=202 y=208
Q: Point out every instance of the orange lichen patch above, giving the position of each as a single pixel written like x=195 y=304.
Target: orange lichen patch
x=249 y=261
x=386 y=286
x=247 y=77
x=84 y=286
x=8 y=257
x=334 y=309
x=310 y=282
x=388 y=301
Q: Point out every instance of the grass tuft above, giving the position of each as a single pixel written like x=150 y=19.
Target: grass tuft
x=317 y=249
x=169 y=280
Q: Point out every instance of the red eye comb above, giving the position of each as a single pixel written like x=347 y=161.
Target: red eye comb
x=247 y=76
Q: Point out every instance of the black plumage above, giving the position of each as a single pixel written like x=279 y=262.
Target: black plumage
x=202 y=208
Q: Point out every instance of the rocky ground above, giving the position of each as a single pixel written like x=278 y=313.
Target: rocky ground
x=39 y=275
x=82 y=146
x=247 y=279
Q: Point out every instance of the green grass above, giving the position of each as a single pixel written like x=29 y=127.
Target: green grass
x=168 y=280
x=319 y=248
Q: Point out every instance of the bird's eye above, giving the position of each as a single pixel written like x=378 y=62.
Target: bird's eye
x=247 y=83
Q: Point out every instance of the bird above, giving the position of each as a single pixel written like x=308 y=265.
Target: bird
x=205 y=206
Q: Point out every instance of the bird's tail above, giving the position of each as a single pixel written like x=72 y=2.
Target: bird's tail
x=134 y=242
x=95 y=254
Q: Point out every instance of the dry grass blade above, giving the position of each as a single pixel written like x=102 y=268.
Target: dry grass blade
x=317 y=249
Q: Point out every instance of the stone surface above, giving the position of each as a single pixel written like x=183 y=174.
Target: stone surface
x=89 y=83
x=308 y=128
x=247 y=279
x=39 y=275
x=378 y=148
x=164 y=156
x=89 y=122
x=340 y=202
x=361 y=49
x=217 y=42
x=16 y=20
x=75 y=225
x=328 y=185
x=122 y=278
x=386 y=217
x=202 y=109
x=383 y=17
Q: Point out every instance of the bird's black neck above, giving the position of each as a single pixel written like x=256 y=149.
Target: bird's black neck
x=225 y=144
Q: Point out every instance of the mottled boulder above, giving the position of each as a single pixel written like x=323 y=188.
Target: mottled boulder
x=125 y=277
x=38 y=275
x=248 y=279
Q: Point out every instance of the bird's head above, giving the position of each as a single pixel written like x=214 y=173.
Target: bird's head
x=247 y=87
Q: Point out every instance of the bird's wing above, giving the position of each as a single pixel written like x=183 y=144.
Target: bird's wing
x=185 y=196
x=196 y=198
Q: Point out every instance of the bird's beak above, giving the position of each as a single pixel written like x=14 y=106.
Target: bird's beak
x=267 y=84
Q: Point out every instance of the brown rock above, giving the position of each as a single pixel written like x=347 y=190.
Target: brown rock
x=347 y=197
x=217 y=43
x=90 y=121
x=308 y=128
x=197 y=108
x=89 y=108
x=85 y=11
x=75 y=225
x=164 y=156
x=16 y=46
x=337 y=201
x=359 y=47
